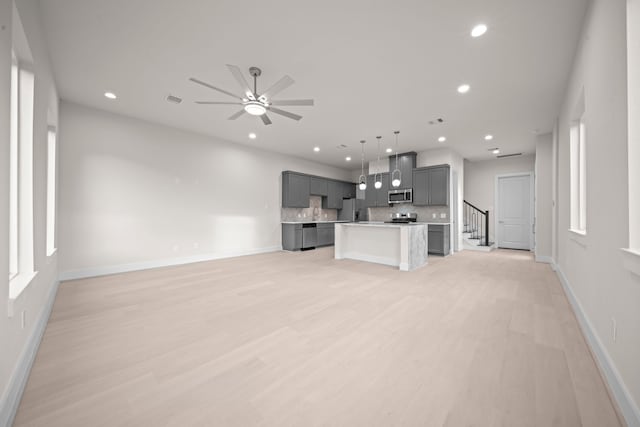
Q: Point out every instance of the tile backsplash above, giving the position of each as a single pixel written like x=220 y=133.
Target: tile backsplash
x=425 y=213
x=313 y=213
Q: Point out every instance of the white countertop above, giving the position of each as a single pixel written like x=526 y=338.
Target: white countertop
x=383 y=224
x=311 y=222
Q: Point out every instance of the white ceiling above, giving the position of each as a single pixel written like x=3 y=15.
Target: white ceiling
x=371 y=66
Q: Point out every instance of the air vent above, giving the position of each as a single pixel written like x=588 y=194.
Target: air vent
x=509 y=155
x=437 y=121
x=174 y=99
x=341 y=147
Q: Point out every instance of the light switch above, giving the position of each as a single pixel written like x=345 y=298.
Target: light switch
x=443 y=215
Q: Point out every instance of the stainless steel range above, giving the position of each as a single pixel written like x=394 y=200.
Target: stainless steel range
x=403 y=218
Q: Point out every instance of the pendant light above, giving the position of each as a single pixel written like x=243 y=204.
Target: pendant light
x=362 y=180
x=378 y=176
x=396 y=175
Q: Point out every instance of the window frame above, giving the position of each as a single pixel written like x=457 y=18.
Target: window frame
x=578 y=171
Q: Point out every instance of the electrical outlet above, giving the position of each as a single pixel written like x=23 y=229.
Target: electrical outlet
x=443 y=215
x=614 y=329
x=299 y=215
x=23 y=319
x=434 y=215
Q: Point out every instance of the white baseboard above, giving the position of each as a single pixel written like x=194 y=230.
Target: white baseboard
x=11 y=400
x=544 y=258
x=145 y=265
x=621 y=394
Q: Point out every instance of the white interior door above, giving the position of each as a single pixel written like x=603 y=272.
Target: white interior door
x=514 y=212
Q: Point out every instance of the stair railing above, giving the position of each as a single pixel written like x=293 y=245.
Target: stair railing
x=476 y=222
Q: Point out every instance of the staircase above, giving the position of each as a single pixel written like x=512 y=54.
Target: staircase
x=475 y=234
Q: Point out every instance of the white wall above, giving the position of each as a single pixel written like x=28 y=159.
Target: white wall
x=18 y=343
x=591 y=266
x=479 y=181
x=134 y=192
x=543 y=198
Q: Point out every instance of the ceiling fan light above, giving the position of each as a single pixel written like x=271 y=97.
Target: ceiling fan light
x=255 y=108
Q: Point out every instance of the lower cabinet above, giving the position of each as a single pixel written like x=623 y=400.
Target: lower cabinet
x=326 y=234
x=302 y=235
x=292 y=237
x=439 y=239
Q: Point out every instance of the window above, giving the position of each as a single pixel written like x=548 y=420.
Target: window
x=51 y=190
x=13 y=172
x=578 y=173
x=631 y=254
x=21 y=267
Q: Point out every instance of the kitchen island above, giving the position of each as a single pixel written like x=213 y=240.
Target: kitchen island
x=401 y=245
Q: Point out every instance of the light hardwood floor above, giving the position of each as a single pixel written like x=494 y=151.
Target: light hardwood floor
x=300 y=339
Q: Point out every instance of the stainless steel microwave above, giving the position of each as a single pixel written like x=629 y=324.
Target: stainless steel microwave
x=401 y=196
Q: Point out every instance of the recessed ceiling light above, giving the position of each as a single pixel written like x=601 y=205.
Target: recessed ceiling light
x=110 y=95
x=488 y=137
x=389 y=150
x=496 y=151
x=316 y=149
x=442 y=139
x=478 y=30
x=464 y=88
x=348 y=159
x=252 y=135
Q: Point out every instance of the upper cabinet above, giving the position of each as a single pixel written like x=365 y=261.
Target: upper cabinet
x=439 y=186
x=295 y=190
x=406 y=165
x=333 y=200
x=297 y=187
x=375 y=197
x=431 y=186
x=348 y=190
x=318 y=186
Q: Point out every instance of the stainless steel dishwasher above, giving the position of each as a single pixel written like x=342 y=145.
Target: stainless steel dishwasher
x=309 y=236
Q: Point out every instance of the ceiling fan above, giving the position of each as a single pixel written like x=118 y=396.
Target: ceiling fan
x=254 y=103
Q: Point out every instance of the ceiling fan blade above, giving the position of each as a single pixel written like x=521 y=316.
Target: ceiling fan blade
x=200 y=82
x=240 y=79
x=265 y=119
x=293 y=102
x=218 y=103
x=236 y=115
x=285 y=113
x=279 y=86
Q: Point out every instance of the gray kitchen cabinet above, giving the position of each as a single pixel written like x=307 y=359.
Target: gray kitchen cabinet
x=326 y=234
x=319 y=234
x=420 y=187
x=292 y=237
x=439 y=239
x=375 y=197
x=348 y=190
x=431 y=186
x=383 y=193
x=334 y=195
x=406 y=165
x=370 y=197
x=295 y=190
x=439 y=186
x=318 y=186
